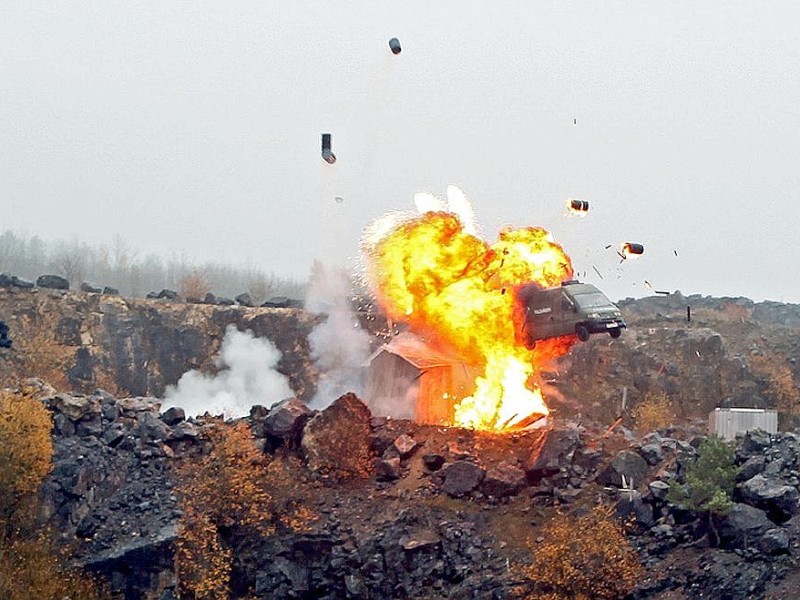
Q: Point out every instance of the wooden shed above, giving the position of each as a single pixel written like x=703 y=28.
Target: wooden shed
x=408 y=378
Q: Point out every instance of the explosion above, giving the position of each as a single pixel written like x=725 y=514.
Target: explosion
x=431 y=272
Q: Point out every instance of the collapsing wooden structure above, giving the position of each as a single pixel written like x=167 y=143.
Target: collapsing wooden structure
x=408 y=378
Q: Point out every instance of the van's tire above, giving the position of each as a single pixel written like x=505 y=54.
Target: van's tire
x=615 y=333
x=582 y=332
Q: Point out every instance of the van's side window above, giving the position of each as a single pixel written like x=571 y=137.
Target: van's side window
x=566 y=303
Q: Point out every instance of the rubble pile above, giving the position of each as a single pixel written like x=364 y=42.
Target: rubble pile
x=426 y=522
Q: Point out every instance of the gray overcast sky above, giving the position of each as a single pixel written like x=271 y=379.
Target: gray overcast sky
x=194 y=128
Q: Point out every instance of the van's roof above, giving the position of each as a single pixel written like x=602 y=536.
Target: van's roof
x=572 y=287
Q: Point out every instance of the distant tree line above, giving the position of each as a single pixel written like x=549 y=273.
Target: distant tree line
x=120 y=266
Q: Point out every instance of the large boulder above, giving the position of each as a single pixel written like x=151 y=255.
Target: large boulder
x=286 y=419
x=173 y=415
x=461 y=477
x=53 y=282
x=244 y=300
x=628 y=464
x=505 y=479
x=742 y=525
x=336 y=442
x=75 y=407
x=777 y=499
x=775 y=541
x=555 y=452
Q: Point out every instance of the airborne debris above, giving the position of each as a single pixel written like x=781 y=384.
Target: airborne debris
x=577 y=206
x=598 y=272
x=327 y=154
x=629 y=248
x=339 y=199
x=394 y=45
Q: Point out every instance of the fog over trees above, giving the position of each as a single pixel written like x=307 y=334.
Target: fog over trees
x=120 y=266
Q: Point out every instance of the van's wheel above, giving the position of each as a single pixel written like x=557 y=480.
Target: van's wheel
x=615 y=333
x=582 y=332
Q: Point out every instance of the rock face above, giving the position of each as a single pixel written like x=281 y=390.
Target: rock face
x=143 y=347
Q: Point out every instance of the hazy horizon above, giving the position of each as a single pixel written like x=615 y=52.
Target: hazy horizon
x=195 y=130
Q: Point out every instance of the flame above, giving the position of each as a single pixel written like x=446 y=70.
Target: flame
x=450 y=286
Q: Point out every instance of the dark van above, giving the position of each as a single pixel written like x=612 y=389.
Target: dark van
x=571 y=308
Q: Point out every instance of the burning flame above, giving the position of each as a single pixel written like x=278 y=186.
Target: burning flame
x=450 y=286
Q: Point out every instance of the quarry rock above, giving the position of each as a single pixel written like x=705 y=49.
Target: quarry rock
x=631 y=507
x=338 y=438
x=405 y=445
x=433 y=462
x=659 y=489
x=553 y=454
x=174 y=415
x=53 y=282
x=184 y=431
x=742 y=525
x=244 y=300
x=774 y=541
x=627 y=463
x=651 y=453
x=461 y=477
x=751 y=467
x=89 y=288
x=778 y=500
x=152 y=428
x=504 y=479
x=388 y=469
x=75 y=407
x=287 y=418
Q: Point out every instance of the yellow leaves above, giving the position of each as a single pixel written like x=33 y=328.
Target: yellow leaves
x=30 y=568
x=26 y=453
x=29 y=565
x=655 y=412
x=584 y=557
x=235 y=485
x=780 y=383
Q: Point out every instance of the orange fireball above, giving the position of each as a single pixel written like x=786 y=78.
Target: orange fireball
x=452 y=287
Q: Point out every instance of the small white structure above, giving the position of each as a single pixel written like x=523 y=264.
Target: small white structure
x=727 y=422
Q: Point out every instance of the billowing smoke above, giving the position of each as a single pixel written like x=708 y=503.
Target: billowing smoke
x=339 y=347
x=248 y=377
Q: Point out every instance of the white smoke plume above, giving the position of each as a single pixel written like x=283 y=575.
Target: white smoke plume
x=248 y=377
x=339 y=347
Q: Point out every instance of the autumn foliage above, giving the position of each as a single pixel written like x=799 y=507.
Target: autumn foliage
x=195 y=285
x=780 y=385
x=30 y=566
x=234 y=487
x=583 y=558
x=654 y=412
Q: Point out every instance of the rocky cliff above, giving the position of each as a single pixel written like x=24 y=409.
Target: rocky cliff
x=138 y=347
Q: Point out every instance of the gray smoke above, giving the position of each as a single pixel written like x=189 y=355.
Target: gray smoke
x=339 y=347
x=248 y=377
